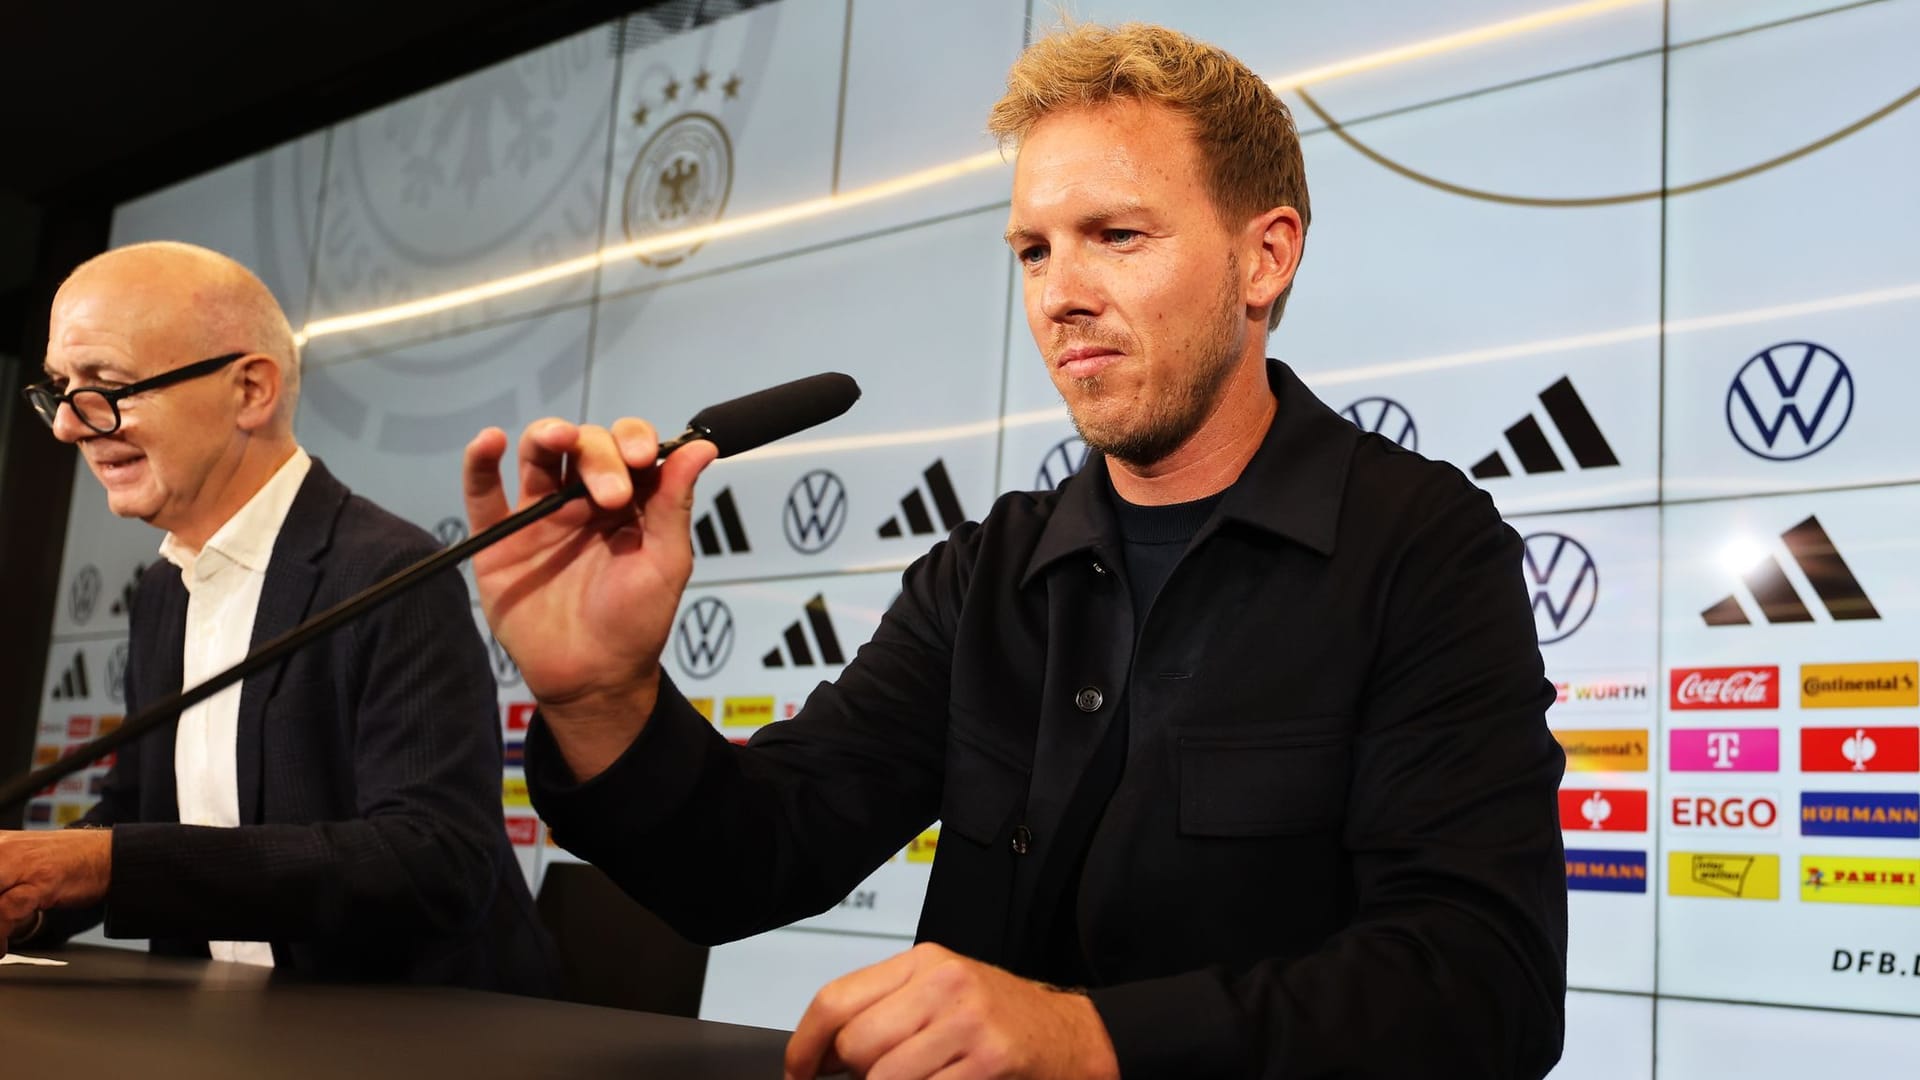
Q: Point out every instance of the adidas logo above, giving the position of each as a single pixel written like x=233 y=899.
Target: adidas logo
x=797 y=648
x=709 y=540
x=1775 y=595
x=123 y=604
x=1530 y=446
x=73 y=681
x=914 y=507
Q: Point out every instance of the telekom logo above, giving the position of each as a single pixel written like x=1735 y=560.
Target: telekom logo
x=1724 y=750
x=1723 y=747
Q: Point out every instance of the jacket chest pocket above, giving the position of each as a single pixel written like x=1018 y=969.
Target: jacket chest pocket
x=1263 y=779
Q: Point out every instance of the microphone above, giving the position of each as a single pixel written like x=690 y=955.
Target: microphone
x=732 y=426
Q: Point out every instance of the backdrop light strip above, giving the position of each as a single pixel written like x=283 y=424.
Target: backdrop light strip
x=1058 y=414
x=909 y=182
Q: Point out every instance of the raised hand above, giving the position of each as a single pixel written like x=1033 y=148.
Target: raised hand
x=583 y=600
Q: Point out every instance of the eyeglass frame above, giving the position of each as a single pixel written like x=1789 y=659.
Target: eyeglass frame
x=47 y=404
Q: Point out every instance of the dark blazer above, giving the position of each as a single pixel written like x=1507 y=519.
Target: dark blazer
x=1334 y=849
x=371 y=846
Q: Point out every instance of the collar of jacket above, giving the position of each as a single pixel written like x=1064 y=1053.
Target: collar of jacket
x=1292 y=488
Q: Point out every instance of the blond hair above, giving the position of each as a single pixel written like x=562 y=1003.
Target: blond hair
x=1245 y=133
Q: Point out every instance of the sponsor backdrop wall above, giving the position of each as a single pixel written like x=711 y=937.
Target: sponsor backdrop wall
x=1695 y=407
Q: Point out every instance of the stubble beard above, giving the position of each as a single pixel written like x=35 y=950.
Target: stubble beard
x=1166 y=422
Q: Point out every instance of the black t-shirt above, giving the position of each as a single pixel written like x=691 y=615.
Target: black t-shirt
x=1153 y=538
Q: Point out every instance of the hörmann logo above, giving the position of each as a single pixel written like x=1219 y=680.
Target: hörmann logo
x=1753 y=687
x=1606 y=871
x=1888 y=685
x=1877 y=815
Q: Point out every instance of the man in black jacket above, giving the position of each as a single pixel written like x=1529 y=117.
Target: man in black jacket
x=338 y=815
x=1237 y=739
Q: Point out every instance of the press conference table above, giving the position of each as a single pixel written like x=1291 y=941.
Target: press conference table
x=114 y=1012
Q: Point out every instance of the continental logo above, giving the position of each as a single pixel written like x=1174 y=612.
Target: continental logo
x=703 y=706
x=1622 y=750
x=922 y=848
x=746 y=711
x=1890 y=815
x=1890 y=685
x=66 y=813
x=1606 y=871
x=1723 y=877
x=1834 y=879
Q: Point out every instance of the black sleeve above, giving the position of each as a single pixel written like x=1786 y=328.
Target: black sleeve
x=417 y=854
x=1455 y=961
x=724 y=841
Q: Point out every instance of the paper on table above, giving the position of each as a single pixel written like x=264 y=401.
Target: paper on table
x=36 y=961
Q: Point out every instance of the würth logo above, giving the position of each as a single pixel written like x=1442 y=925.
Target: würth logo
x=1565 y=584
x=914 y=506
x=816 y=511
x=1725 y=688
x=708 y=540
x=1789 y=401
x=73 y=681
x=798 y=650
x=703 y=638
x=1777 y=599
x=1529 y=444
x=1385 y=417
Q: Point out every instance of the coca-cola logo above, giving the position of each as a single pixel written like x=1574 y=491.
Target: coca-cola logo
x=1725 y=688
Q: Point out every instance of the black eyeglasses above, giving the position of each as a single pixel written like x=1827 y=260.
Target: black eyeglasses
x=99 y=408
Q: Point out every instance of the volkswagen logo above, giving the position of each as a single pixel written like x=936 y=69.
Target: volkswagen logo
x=450 y=531
x=1789 y=401
x=1564 y=583
x=117 y=672
x=1065 y=459
x=703 y=639
x=83 y=594
x=816 y=511
x=1385 y=417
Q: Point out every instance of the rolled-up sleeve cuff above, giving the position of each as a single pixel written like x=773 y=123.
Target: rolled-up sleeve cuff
x=1180 y=1026
x=643 y=787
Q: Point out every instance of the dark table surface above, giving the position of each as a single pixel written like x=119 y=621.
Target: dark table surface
x=115 y=1012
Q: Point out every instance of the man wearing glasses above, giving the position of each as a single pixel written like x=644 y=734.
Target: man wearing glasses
x=338 y=816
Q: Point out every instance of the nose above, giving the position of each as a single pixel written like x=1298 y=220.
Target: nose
x=1069 y=287
x=67 y=425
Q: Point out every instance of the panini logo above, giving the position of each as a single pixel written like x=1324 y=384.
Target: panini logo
x=1860 y=749
x=1723 y=877
x=513 y=792
x=1605 y=751
x=1889 y=685
x=1724 y=688
x=1590 y=810
x=1724 y=750
x=1607 y=871
x=1875 y=815
x=746 y=711
x=1833 y=879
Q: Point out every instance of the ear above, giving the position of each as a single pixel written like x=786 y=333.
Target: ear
x=259 y=388
x=1273 y=241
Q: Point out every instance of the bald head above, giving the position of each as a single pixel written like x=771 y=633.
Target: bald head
x=181 y=301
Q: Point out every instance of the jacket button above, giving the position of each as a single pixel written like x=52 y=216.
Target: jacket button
x=1098 y=568
x=1088 y=699
x=1022 y=840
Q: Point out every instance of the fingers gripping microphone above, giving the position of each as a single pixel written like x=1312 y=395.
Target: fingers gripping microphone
x=732 y=426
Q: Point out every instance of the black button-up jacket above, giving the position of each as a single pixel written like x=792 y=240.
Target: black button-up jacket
x=1334 y=849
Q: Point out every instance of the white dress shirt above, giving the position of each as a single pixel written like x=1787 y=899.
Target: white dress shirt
x=223 y=581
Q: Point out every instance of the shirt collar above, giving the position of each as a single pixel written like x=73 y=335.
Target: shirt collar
x=247 y=538
x=1292 y=488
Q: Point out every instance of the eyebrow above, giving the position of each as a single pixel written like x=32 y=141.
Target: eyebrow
x=1086 y=221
